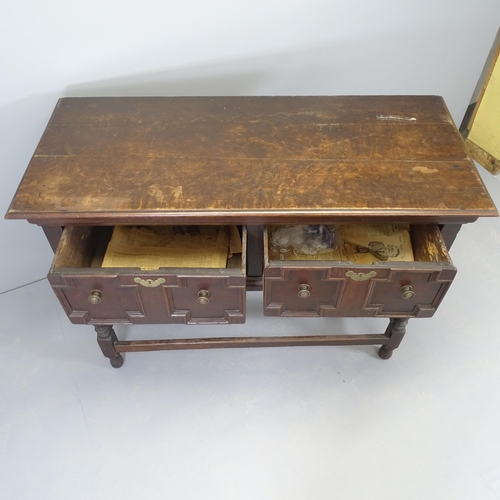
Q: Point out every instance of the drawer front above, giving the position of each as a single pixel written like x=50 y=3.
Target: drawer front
x=206 y=300
x=91 y=294
x=301 y=292
x=147 y=298
x=370 y=291
x=409 y=293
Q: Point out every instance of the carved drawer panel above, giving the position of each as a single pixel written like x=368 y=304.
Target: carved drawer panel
x=300 y=291
x=339 y=288
x=91 y=294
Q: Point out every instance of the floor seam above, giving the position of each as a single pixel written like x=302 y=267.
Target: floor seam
x=22 y=286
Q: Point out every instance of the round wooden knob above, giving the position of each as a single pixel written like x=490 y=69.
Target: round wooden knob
x=95 y=297
x=408 y=292
x=304 y=292
x=203 y=297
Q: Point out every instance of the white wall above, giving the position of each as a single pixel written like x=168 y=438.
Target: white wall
x=58 y=48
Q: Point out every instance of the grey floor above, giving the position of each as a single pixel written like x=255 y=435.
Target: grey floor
x=288 y=423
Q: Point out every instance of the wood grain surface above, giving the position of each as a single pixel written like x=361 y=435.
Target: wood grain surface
x=250 y=160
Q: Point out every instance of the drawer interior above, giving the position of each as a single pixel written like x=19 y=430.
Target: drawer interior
x=86 y=246
x=427 y=245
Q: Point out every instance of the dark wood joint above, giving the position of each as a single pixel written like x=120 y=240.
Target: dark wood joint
x=53 y=235
x=449 y=233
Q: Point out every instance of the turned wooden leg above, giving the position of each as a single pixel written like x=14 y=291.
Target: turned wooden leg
x=396 y=331
x=105 y=338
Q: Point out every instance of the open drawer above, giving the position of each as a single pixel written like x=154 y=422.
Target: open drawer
x=341 y=288
x=91 y=294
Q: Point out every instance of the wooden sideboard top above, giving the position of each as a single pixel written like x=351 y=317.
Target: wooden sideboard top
x=250 y=160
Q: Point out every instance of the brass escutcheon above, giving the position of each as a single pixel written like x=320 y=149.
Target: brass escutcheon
x=150 y=283
x=360 y=276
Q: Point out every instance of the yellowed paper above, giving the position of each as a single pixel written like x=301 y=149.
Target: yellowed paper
x=159 y=246
x=485 y=130
x=362 y=244
x=371 y=243
x=234 y=241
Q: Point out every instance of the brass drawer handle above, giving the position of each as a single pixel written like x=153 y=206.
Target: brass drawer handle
x=408 y=292
x=360 y=276
x=149 y=283
x=95 y=297
x=203 y=297
x=304 y=292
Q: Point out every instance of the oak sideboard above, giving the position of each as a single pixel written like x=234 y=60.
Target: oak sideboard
x=253 y=163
